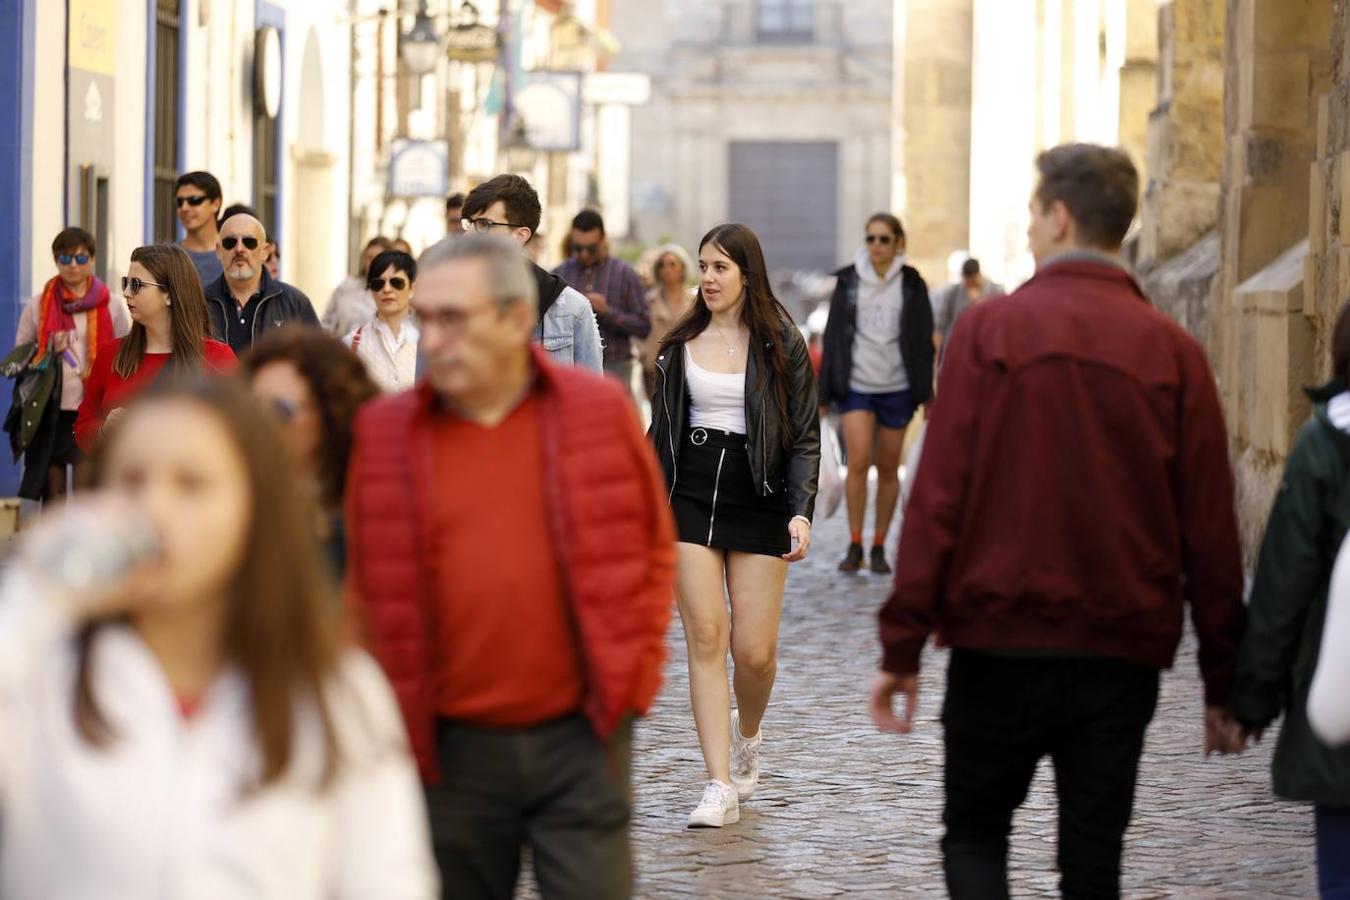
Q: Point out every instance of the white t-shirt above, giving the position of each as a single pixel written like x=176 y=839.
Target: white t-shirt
x=716 y=399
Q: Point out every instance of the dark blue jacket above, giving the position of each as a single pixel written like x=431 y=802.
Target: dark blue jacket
x=281 y=303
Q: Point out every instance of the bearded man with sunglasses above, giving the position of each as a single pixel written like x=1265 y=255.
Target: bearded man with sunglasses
x=246 y=299
x=197 y=196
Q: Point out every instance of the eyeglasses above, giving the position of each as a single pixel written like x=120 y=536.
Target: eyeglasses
x=250 y=243
x=78 y=259
x=397 y=283
x=882 y=239
x=586 y=249
x=452 y=320
x=668 y=264
x=134 y=285
x=194 y=202
x=484 y=225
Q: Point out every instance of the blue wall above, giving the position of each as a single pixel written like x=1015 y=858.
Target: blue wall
x=17 y=28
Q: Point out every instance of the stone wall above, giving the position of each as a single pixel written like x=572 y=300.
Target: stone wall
x=1266 y=330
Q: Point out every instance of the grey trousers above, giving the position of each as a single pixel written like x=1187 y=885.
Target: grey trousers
x=554 y=788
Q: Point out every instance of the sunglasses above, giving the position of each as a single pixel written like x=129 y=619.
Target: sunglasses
x=585 y=249
x=133 y=285
x=284 y=410
x=194 y=202
x=882 y=239
x=79 y=259
x=250 y=243
x=397 y=283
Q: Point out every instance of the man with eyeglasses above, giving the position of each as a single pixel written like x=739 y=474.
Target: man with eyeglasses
x=508 y=205
x=615 y=293
x=246 y=299
x=198 y=198
x=73 y=316
x=512 y=555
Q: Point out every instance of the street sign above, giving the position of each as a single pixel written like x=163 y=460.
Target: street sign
x=419 y=168
x=550 y=105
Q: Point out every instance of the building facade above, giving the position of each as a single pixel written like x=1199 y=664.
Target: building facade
x=771 y=112
x=982 y=86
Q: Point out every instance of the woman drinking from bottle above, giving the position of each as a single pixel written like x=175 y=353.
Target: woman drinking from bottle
x=180 y=715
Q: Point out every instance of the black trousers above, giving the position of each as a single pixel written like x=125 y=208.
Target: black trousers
x=554 y=788
x=1001 y=716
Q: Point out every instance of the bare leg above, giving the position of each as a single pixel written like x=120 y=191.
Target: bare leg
x=701 y=592
x=859 y=431
x=756 y=583
x=890 y=444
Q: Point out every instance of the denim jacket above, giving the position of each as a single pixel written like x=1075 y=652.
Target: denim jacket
x=568 y=332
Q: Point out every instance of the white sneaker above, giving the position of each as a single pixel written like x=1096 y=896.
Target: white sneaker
x=718 y=807
x=744 y=758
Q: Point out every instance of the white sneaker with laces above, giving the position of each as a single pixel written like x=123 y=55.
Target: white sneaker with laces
x=718 y=807
x=744 y=758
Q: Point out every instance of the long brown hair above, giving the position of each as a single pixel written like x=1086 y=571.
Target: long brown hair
x=282 y=626
x=172 y=267
x=761 y=313
x=338 y=381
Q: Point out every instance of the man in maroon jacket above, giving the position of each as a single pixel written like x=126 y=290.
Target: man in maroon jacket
x=1074 y=494
x=512 y=553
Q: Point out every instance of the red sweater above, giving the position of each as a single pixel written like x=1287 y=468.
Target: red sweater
x=607 y=518
x=1075 y=488
x=506 y=653
x=105 y=390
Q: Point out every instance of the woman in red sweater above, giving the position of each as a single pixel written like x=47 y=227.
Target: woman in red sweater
x=167 y=338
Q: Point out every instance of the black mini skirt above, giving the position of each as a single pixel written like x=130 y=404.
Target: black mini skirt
x=715 y=502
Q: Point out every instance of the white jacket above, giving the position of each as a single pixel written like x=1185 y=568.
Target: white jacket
x=390 y=361
x=158 y=813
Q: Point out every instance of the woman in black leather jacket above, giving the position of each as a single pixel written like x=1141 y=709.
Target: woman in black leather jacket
x=735 y=425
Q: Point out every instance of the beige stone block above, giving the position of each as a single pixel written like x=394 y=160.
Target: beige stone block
x=1323 y=125
x=1317 y=208
x=1343 y=189
x=1279 y=90
x=1311 y=263
x=1288 y=23
x=1342 y=274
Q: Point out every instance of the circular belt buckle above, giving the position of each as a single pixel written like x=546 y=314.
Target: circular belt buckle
x=698 y=437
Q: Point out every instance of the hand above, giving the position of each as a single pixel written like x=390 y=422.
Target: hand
x=800 y=529
x=96 y=555
x=111 y=419
x=884 y=688
x=1223 y=733
x=598 y=302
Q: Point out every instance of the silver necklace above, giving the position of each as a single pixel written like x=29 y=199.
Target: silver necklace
x=731 y=348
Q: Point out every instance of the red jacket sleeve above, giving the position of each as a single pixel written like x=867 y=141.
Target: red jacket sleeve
x=89 y=419
x=219 y=357
x=658 y=594
x=1211 y=551
x=932 y=520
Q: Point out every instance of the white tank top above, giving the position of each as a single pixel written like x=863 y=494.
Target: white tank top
x=716 y=399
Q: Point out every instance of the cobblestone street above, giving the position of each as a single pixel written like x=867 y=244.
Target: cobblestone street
x=842 y=809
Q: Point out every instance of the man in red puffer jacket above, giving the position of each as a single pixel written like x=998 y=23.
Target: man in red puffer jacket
x=512 y=556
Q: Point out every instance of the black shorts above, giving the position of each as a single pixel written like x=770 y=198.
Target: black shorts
x=715 y=502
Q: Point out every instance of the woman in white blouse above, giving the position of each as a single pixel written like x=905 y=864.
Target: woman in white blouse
x=388 y=343
x=179 y=713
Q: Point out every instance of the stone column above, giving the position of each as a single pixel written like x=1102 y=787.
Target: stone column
x=932 y=146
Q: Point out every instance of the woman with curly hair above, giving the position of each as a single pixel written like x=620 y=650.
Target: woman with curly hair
x=314 y=386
